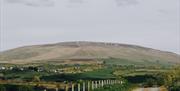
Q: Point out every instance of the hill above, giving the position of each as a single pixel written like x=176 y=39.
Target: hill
x=87 y=53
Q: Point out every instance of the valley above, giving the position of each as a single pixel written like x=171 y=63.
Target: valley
x=88 y=66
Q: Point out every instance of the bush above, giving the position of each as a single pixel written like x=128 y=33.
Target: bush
x=175 y=88
x=150 y=82
x=8 y=87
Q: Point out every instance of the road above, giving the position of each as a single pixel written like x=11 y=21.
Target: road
x=147 y=89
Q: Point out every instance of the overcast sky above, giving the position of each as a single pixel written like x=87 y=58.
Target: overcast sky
x=149 y=23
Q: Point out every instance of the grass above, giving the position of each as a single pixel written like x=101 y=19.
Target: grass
x=118 y=61
x=117 y=87
x=101 y=73
x=92 y=75
x=134 y=72
x=123 y=62
x=24 y=75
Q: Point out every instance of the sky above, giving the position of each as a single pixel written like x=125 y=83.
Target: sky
x=149 y=23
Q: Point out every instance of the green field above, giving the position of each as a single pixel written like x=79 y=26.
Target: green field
x=132 y=75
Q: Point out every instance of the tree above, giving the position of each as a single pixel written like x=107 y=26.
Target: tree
x=36 y=79
x=2 y=88
x=150 y=82
x=25 y=88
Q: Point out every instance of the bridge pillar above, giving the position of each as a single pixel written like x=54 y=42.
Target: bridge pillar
x=72 y=87
x=105 y=82
x=84 y=86
x=96 y=84
x=67 y=88
x=99 y=83
x=79 y=87
x=102 y=83
x=88 y=86
x=92 y=85
x=56 y=89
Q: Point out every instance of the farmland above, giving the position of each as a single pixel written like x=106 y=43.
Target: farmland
x=49 y=76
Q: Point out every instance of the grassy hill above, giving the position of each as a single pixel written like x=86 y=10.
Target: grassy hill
x=87 y=53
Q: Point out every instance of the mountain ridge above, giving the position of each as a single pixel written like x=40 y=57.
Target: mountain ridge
x=85 y=51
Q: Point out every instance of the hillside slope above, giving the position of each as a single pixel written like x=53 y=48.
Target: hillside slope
x=87 y=52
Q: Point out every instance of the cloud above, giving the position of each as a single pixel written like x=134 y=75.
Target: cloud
x=33 y=2
x=52 y=2
x=76 y=1
x=118 y=2
x=163 y=11
x=126 y=2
